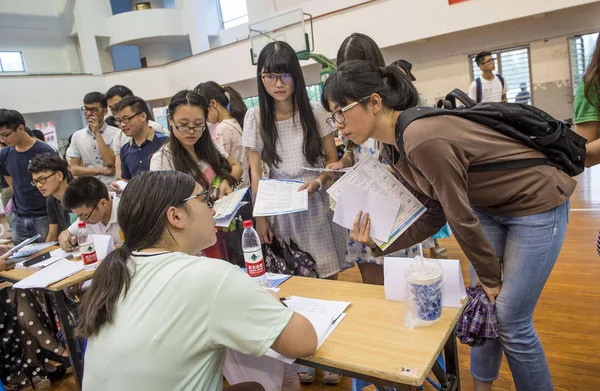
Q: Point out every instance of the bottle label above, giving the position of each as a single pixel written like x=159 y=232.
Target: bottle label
x=255 y=264
x=88 y=253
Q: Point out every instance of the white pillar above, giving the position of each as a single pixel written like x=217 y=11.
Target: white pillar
x=91 y=21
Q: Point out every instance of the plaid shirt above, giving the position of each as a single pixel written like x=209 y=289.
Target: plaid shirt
x=478 y=322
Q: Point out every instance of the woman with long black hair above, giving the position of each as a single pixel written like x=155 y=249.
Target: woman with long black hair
x=519 y=216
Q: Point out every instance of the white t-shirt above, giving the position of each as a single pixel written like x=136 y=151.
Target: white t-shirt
x=491 y=91
x=112 y=228
x=120 y=138
x=171 y=330
x=85 y=147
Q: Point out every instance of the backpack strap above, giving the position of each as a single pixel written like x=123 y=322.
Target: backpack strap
x=509 y=165
x=410 y=115
x=479 y=89
x=501 y=78
x=453 y=96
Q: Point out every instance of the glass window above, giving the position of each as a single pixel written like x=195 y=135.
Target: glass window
x=582 y=49
x=11 y=62
x=233 y=12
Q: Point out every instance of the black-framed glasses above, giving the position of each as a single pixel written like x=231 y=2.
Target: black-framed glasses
x=187 y=128
x=86 y=218
x=41 y=180
x=208 y=200
x=93 y=110
x=339 y=116
x=489 y=61
x=126 y=120
x=271 y=78
x=5 y=135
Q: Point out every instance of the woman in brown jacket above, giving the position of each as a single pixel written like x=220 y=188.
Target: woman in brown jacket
x=516 y=218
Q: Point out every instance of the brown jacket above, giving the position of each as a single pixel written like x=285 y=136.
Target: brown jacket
x=439 y=151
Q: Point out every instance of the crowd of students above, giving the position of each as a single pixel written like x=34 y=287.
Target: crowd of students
x=157 y=316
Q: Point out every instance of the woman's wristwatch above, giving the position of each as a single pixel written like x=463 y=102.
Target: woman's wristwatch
x=320 y=183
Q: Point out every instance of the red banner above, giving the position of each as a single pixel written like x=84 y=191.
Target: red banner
x=450 y=2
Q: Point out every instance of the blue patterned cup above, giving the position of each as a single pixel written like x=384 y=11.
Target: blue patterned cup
x=425 y=289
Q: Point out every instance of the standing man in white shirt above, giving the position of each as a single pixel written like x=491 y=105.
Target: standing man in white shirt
x=489 y=87
x=91 y=147
x=113 y=96
x=89 y=199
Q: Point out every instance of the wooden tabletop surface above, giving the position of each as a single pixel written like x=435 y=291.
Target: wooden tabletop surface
x=372 y=339
x=19 y=274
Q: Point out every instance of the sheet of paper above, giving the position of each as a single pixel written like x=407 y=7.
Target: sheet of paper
x=39 y=265
x=49 y=275
x=229 y=204
x=226 y=221
x=31 y=249
x=382 y=210
x=371 y=175
x=60 y=253
x=122 y=184
x=394 y=280
x=277 y=197
x=103 y=244
x=316 y=169
x=275 y=279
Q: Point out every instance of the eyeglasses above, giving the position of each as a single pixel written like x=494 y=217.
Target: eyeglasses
x=86 y=218
x=271 y=78
x=186 y=128
x=42 y=180
x=125 y=120
x=208 y=200
x=489 y=61
x=5 y=136
x=93 y=110
x=339 y=116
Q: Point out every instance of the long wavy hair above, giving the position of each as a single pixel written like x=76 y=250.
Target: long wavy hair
x=204 y=148
x=279 y=57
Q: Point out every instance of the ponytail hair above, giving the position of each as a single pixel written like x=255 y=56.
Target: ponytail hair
x=226 y=96
x=142 y=218
x=355 y=80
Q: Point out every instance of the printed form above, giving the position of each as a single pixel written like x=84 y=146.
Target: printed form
x=278 y=197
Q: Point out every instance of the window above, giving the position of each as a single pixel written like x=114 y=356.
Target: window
x=582 y=49
x=233 y=12
x=513 y=65
x=251 y=102
x=11 y=62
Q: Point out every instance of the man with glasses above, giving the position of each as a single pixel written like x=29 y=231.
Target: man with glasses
x=51 y=176
x=489 y=87
x=29 y=206
x=91 y=202
x=131 y=115
x=91 y=147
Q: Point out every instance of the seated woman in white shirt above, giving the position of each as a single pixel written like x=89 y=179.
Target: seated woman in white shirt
x=89 y=199
x=159 y=318
x=191 y=149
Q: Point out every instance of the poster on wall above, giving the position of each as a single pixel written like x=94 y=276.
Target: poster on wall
x=49 y=131
x=160 y=116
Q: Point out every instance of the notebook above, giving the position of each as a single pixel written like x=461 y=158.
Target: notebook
x=49 y=275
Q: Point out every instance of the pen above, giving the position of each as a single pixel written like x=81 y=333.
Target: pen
x=282 y=300
x=335 y=320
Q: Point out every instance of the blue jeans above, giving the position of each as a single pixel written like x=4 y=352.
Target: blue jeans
x=529 y=247
x=25 y=227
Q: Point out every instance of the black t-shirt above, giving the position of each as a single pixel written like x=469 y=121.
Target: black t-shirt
x=27 y=199
x=57 y=214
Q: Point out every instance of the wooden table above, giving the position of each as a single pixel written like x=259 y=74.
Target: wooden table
x=56 y=292
x=372 y=343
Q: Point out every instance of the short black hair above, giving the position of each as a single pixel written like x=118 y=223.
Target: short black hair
x=38 y=134
x=85 y=190
x=137 y=104
x=49 y=162
x=95 y=97
x=118 y=90
x=11 y=119
x=479 y=58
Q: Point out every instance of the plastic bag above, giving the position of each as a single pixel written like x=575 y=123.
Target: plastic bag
x=444 y=233
x=424 y=291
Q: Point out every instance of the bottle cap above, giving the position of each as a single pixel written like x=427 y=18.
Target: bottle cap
x=248 y=224
x=81 y=224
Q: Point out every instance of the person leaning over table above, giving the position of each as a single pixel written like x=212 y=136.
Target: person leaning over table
x=157 y=317
x=89 y=199
x=518 y=215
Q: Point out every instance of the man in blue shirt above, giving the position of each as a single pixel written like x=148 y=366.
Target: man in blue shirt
x=29 y=206
x=131 y=116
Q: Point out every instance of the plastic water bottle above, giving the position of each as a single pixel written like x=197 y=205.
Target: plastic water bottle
x=86 y=247
x=253 y=256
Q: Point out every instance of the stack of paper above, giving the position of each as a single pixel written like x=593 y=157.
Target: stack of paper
x=39 y=265
x=58 y=271
x=31 y=249
x=226 y=208
x=278 y=197
x=324 y=315
x=372 y=188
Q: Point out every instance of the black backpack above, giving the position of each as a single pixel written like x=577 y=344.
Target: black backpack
x=564 y=148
